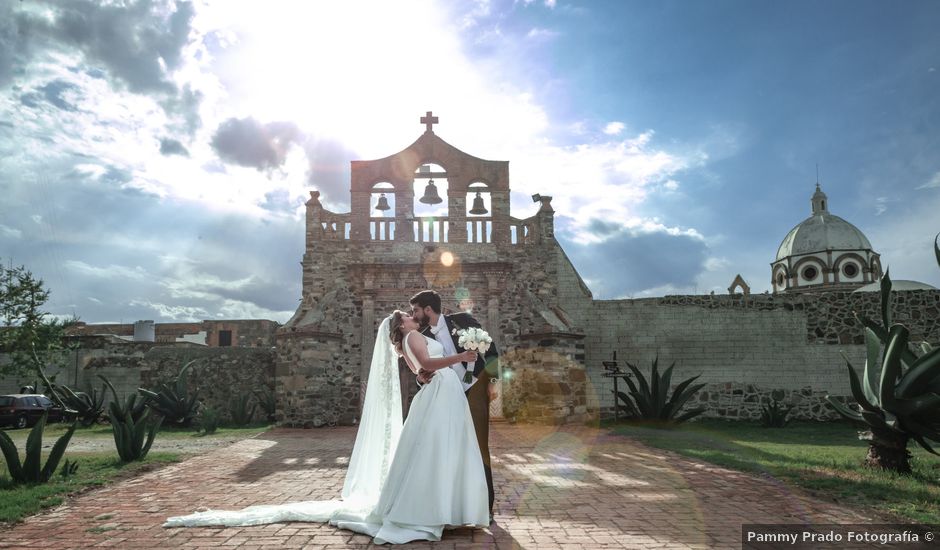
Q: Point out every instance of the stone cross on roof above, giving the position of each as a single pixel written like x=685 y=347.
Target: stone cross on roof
x=429 y=120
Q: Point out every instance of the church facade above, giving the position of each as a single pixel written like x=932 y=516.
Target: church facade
x=516 y=279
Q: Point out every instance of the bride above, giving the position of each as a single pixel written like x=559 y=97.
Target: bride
x=404 y=482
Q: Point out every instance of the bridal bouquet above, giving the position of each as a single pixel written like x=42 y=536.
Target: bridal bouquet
x=474 y=339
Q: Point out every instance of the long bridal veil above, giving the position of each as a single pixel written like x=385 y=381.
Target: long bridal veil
x=376 y=440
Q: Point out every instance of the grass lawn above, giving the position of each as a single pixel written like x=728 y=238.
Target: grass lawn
x=823 y=458
x=95 y=468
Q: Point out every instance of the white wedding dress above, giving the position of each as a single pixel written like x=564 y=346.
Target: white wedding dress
x=404 y=482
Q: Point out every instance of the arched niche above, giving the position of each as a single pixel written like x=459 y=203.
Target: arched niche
x=382 y=222
x=479 y=223
x=430 y=219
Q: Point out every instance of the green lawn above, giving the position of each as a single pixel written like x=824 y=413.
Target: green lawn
x=95 y=468
x=823 y=458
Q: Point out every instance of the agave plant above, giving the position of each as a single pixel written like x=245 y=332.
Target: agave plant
x=900 y=400
x=208 y=420
x=774 y=415
x=134 y=438
x=118 y=409
x=68 y=469
x=239 y=411
x=173 y=401
x=651 y=401
x=267 y=401
x=89 y=407
x=31 y=469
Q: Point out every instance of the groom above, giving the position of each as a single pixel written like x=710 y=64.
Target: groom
x=426 y=309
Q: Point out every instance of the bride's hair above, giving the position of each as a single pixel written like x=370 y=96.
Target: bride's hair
x=394 y=330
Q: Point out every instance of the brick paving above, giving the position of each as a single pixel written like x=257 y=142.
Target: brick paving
x=556 y=488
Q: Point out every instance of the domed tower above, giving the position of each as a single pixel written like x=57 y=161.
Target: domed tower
x=824 y=252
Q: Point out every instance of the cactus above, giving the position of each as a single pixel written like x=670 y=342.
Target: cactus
x=240 y=413
x=648 y=400
x=30 y=470
x=134 y=438
x=174 y=402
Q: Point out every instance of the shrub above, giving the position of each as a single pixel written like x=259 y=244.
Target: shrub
x=208 y=420
x=773 y=415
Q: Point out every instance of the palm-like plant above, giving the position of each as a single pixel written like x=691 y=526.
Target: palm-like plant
x=651 y=400
x=173 y=401
x=901 y=400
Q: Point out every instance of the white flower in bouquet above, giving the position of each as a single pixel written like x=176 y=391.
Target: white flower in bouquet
x=473 y=339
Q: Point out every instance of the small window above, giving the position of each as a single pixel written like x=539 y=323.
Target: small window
x=810 y=273
x=44 y=402
x=225 y=338
x=850 y=270
x=779 y=279
x=6 y=401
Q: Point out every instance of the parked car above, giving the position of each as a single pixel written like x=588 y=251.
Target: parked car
x=21 y=410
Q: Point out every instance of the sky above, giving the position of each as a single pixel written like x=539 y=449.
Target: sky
x=155 y=156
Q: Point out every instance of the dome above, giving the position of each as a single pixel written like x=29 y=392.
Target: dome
x=822 y=231
x=823 y=253
x=901 y=284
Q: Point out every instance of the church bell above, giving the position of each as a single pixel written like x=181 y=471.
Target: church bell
x=383 y=203
x=430 y=194
x=478 y=207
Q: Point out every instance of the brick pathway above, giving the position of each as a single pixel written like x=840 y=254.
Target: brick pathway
x=556 y=487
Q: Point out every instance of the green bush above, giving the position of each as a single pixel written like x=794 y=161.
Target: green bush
x=208 y=420
x=774 y=415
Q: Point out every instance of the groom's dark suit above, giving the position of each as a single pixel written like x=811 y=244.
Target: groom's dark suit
x=478 y=395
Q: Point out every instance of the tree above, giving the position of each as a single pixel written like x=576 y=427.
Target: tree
x=29 y=336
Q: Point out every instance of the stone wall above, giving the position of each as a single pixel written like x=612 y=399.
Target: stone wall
x=220 y=373
x=744 y=348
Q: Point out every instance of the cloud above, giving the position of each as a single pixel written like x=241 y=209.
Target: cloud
x=136 y=45
x=247 y=142
x=139 y=43
x=614 y=128
x=932 y=183
x=169 y=146
x=633 y=261
x=10 y=232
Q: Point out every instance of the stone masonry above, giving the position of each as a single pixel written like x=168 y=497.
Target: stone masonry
x=519 y=283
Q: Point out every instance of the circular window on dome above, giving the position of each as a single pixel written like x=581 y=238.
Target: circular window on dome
x=810 y=273
x=850 y=270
